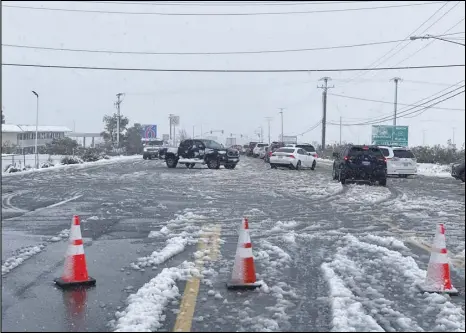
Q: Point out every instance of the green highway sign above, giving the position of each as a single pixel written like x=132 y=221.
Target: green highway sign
x=388 y=135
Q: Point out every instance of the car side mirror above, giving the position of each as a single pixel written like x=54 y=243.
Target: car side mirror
x=336 y=155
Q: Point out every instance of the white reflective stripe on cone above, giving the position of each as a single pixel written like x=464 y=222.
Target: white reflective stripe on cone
x=245 y=253
x=74 y=250
x=438 y=258
x=75 y=233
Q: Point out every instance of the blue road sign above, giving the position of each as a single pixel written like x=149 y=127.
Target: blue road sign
x=149 y=132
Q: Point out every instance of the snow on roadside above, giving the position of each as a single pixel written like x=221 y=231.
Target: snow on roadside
x=368 y=194
x=75 y=166
x=174 y=246
x=433 y=170
x=348 y=313
x=145 y=309
x=273 y=256
x=389 y=242
x=64 y=234
x=22 y=255
x=385 y=282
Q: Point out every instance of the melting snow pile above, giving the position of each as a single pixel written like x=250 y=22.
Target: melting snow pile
x=374 y=288
x=22 y=255
x=434 y=170
x=144 y=312
x=174 y=246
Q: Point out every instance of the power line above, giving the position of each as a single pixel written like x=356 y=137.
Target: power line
x=422 y=101
x=202 y=53
x=409 y=111
x=223 y=3
x=380 y=60
x=231 y=70
x=386 y=102
x=428 y=44
x=221 y=14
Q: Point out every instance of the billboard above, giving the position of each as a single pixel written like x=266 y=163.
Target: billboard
x=388 y=135
x=289 y=139
x=149 y=132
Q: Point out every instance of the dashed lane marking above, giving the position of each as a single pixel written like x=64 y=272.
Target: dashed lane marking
x=184 y=319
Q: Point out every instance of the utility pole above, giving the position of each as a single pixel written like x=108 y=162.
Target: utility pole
x=118 y=102
x=170 y=116
x=340 y=130
x=325 y=88
x=36 y=153
x=269 y=119
x=281 y=113
x=262 y=135
x=396 y=79
x=193 y=131
x=453 y=128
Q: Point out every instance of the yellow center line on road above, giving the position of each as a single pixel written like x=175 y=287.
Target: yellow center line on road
x=185 y=316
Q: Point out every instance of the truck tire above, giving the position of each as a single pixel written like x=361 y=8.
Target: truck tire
x=230 y=166
x=213 y=163
x=342 y=178
x=171 y=161
x=383 y=182
x=313 y=167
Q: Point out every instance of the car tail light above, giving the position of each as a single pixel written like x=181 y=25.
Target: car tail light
x=270 y=153
x=316 y=156
x=292 y=156
x=346 y=158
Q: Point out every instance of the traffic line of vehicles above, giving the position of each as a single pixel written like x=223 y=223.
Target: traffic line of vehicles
x=278 y=154
x=353 y=163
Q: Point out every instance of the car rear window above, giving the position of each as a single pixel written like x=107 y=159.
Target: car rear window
x=308 y=148
x=262 y=144
x=285 y=150
x=385 y=151
x=402 y=153
x=368 y=150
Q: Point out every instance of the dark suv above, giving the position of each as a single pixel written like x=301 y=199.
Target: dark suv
x=271 y=149
x=360 y=163
x=202 y=151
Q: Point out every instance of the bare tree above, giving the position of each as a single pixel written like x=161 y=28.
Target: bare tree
x=182 y=135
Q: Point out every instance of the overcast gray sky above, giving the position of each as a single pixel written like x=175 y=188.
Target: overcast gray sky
x=235 y=102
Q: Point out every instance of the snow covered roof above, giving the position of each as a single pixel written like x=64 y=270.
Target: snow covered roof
x=32 y=128
x=9 y=128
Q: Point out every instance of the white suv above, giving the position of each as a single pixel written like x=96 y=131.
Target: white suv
x=401 y=161
x=257 y=148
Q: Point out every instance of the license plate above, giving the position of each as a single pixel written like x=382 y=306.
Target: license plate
x=366 y=163
x=280 y=156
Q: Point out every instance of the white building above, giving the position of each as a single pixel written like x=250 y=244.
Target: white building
x=23 y=136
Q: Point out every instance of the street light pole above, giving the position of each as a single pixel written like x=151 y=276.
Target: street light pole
x=435 y=37
x=281 y=113
x=37 y=125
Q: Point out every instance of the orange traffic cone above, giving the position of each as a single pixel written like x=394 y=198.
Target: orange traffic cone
x=438 y=271
x=244 y=272
x=75 y=272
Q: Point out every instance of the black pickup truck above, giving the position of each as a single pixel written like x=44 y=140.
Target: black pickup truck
x=202 y=151
x=360 y=163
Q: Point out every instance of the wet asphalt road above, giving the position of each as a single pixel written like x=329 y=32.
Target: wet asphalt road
x=298 y=219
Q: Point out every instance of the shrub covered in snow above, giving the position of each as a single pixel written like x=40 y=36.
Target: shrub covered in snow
x=71 y=160
x=11 y=168
x=47 y=165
